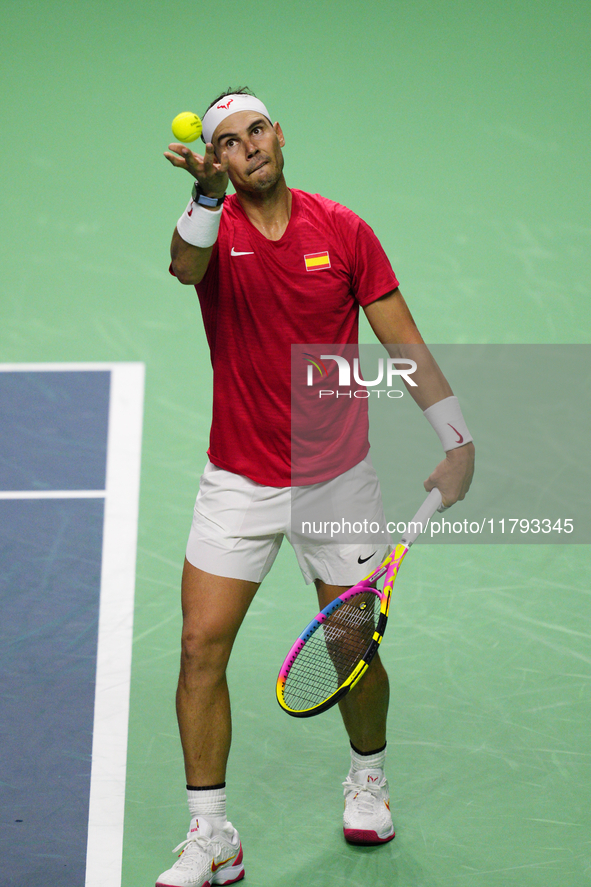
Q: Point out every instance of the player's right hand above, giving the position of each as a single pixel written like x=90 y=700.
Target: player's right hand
x=211 y=173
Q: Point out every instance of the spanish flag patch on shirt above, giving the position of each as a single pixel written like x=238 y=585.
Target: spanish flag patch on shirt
x=317 y=261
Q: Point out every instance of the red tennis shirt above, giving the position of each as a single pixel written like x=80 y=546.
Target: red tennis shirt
x=259 y=297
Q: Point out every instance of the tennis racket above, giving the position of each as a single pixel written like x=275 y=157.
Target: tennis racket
x=334 y=651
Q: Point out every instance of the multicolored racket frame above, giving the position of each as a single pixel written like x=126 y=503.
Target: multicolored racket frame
x=388 y=569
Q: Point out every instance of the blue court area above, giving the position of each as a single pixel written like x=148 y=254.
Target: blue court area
x=53 y=430
x=53 y=438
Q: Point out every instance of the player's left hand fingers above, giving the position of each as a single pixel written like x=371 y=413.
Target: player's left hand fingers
x=176 y=161
x=224 y=163
x=179 y=155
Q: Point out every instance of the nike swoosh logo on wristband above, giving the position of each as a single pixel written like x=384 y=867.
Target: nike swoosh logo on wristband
x=460 y=438
x=233 y=252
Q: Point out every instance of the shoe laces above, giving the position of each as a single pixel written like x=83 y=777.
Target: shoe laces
x=189 y=848
x=365 y=793
x=198 y=841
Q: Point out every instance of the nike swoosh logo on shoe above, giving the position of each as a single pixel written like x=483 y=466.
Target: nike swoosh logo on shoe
x=233 y=252
x=215 y=866
x=362 y=560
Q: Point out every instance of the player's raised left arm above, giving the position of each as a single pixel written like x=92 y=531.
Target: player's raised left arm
x=395 y=328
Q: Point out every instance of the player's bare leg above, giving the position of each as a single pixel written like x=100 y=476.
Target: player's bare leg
x=367 y=818
x=364 y=709
x=213 y=610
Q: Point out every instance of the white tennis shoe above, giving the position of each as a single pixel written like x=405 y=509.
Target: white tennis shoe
x=206 y=858
x=367 y=818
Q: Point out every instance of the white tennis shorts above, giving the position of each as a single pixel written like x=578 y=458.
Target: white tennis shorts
x=238 y=527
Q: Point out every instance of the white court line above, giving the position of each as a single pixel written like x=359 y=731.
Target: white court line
x=111 y=710
x=52 y=494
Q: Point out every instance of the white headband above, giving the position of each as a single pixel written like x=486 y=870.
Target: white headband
x=226 y=106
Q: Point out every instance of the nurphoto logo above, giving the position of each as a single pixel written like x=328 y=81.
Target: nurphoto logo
x=395 y=368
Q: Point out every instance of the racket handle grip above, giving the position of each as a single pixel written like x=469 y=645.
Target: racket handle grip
x=422 y=517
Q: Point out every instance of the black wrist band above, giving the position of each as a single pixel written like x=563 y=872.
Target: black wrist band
x=199 y=197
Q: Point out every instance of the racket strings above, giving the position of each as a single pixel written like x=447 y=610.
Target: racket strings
x=332 y=652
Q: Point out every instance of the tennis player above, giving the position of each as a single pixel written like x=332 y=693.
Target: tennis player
x=248 y=255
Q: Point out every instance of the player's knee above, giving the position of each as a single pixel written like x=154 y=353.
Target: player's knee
x=204 y=650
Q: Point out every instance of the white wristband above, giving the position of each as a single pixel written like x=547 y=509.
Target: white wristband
x=446 y=418
x=199 y=226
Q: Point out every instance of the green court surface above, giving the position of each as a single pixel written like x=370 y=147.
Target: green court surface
x=460 y=132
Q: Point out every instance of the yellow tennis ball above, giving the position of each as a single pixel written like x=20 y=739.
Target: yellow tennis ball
x=186 y=127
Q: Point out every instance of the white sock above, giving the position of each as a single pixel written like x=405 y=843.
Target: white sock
x=209 y=802
x=374 y=761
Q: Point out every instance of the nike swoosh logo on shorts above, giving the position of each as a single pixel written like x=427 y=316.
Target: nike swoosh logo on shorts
x=233 y=252
x=362 y=560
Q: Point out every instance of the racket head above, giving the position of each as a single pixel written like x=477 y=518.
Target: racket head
x=336 y=647
x=331 y=653
x=310 y=657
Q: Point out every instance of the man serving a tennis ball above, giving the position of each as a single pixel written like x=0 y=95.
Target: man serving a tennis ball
x=275 y=266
